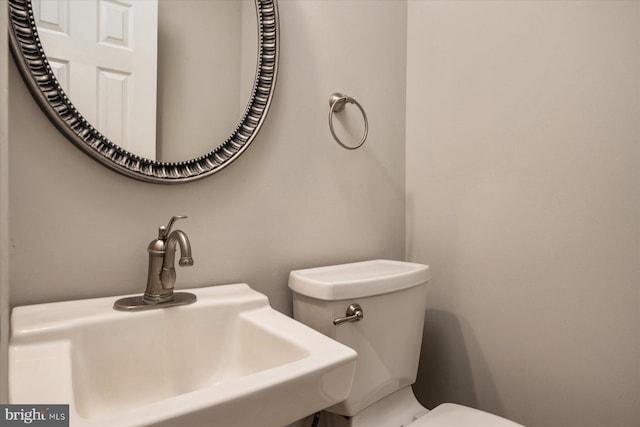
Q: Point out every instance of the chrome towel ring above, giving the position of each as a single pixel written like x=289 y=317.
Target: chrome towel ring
x=337 y=101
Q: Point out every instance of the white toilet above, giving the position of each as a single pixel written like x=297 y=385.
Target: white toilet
x=377 y=308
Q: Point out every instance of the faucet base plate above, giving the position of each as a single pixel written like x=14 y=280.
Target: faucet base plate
x=137 y=303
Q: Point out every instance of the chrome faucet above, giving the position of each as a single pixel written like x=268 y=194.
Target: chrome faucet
x=161 y=277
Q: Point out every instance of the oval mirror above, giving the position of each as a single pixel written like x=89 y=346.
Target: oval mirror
x=164 y=91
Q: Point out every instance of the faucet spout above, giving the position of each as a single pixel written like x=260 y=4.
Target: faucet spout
x=168 y=274
x=178 y=237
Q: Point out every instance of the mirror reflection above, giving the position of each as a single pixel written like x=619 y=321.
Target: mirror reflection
x=167 y=80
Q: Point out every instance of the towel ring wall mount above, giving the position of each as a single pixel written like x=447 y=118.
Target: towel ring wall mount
x=337 y=102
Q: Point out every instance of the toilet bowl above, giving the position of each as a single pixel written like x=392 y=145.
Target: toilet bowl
x=377 y=308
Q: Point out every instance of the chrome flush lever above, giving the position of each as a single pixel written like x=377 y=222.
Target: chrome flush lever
x=354 y=314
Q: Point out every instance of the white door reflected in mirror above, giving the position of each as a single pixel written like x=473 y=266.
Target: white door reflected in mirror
x=105 y=56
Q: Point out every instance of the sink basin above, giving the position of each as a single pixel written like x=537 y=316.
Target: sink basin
x=227 y=360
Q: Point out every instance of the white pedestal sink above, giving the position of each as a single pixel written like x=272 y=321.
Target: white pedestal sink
x=227 y=360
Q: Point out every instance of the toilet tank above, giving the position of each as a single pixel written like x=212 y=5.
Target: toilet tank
x=388 y=338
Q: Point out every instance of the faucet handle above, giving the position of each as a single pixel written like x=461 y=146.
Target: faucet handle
x=163 y=231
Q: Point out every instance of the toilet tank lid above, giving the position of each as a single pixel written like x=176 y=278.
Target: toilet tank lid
x=358 y=279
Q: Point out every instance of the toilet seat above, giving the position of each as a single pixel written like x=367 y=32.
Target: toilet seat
x=452 y=415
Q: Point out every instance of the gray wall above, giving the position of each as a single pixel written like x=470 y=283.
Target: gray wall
x=4 y=201
x=294 y=199
x=200 y=88
x=523 y=193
